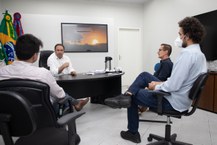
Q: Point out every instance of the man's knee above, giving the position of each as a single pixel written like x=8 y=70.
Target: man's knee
x=144 y=73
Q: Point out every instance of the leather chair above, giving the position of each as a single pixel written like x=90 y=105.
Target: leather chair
x=43 y=58
x=194 y=95
x=11 y=121
x=49 y=129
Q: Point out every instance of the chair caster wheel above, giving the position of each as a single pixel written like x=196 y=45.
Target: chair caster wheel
x=149 y=138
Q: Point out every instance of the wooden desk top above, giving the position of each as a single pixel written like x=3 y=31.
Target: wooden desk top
x=213 y=72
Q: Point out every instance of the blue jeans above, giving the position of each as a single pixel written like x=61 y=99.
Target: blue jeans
x=143 y=98
x=66 y=105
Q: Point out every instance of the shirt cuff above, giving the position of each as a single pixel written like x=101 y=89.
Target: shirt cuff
x=157 y=87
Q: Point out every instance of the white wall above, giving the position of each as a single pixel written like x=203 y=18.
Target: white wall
x=1 y=8
x=161 y=23
x=43 y=20
x=159 y=18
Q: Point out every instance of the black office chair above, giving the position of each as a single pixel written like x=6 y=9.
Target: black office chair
x=43 y=58
x=50 y=130
x=194 y=95
x=12 y=122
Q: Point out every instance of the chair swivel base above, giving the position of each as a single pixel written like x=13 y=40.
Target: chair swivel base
x=163 y=141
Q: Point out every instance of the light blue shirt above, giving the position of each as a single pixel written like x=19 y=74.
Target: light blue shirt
x=188 y=66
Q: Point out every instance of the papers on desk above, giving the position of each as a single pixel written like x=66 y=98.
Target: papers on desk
x=96 y=72
x=102 y=72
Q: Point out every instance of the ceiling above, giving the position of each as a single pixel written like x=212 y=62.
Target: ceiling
x=113 y=1
x=118 y=1
x=124 y=1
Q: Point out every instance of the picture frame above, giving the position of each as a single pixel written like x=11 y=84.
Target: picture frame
x=84 y=37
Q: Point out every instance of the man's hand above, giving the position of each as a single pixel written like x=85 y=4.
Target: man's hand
x=151 y=85
x=62 y=67
x=65 y=65
x=73 y=73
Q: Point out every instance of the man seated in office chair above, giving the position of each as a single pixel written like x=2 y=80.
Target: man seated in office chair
x=59 y=63
x=188 y=66
x=27 y=51
x=162 y=69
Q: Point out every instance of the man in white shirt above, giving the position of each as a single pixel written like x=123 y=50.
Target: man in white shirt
x=188 y=66
x=27 y=50
x=60 y=63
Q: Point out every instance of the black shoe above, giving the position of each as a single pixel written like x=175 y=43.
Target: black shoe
x=120 y=101
x=130 y=136
x=77 y=139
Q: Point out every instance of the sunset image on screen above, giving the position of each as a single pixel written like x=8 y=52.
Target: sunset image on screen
x=95 y=41
x=93 y=38
x=85 y=37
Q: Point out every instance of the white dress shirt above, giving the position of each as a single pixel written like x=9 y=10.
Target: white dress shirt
x=54 y=63
x=25 y=70
x=188 y=66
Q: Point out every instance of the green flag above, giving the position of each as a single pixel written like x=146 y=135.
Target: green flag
x=3 y=56
x=2 y=53
x=7 y=32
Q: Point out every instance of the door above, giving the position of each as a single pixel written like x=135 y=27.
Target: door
x=130 y=54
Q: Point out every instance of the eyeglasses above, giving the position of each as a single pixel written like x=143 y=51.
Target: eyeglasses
x=160 y=50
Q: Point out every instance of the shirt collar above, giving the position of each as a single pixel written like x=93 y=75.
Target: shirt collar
x=22 y=62
x=191 y=47
x=165 y=59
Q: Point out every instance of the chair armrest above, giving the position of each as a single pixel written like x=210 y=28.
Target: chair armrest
x=61 y=103
x=66 y=119
x=159 y=94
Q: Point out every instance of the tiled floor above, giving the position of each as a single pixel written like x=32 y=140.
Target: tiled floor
x=101 y=125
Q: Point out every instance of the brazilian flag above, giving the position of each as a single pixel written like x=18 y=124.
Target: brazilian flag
x=2 y=53
x=7 y=32
x=8 y=39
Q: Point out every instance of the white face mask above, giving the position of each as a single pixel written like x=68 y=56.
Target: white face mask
x=178 y=42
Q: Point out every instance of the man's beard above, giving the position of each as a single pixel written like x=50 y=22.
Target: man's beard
x=184 y=44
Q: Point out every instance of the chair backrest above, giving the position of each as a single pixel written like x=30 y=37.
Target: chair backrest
x=195 y=92
x=16 y=115
x=43 y=58
x=38 y=94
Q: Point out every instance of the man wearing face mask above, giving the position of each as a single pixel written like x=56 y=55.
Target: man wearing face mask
x=188 y=66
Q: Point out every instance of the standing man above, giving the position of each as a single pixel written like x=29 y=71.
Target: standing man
x=60 y=63
x=188 y=66
x=27 y=50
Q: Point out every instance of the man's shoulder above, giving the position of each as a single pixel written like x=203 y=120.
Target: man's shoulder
x=65 y=56
x=168 y=60
x=42 y=69
x=52 y=55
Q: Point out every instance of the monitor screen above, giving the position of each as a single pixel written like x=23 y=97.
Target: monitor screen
x=209 y=44
x=83 y=37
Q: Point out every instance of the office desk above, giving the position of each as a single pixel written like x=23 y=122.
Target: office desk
x=97 y=86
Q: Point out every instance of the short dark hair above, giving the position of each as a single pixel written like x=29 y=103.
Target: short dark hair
x=59 y=44
x=193 y=28
x=167 y=47
x=26 y=46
